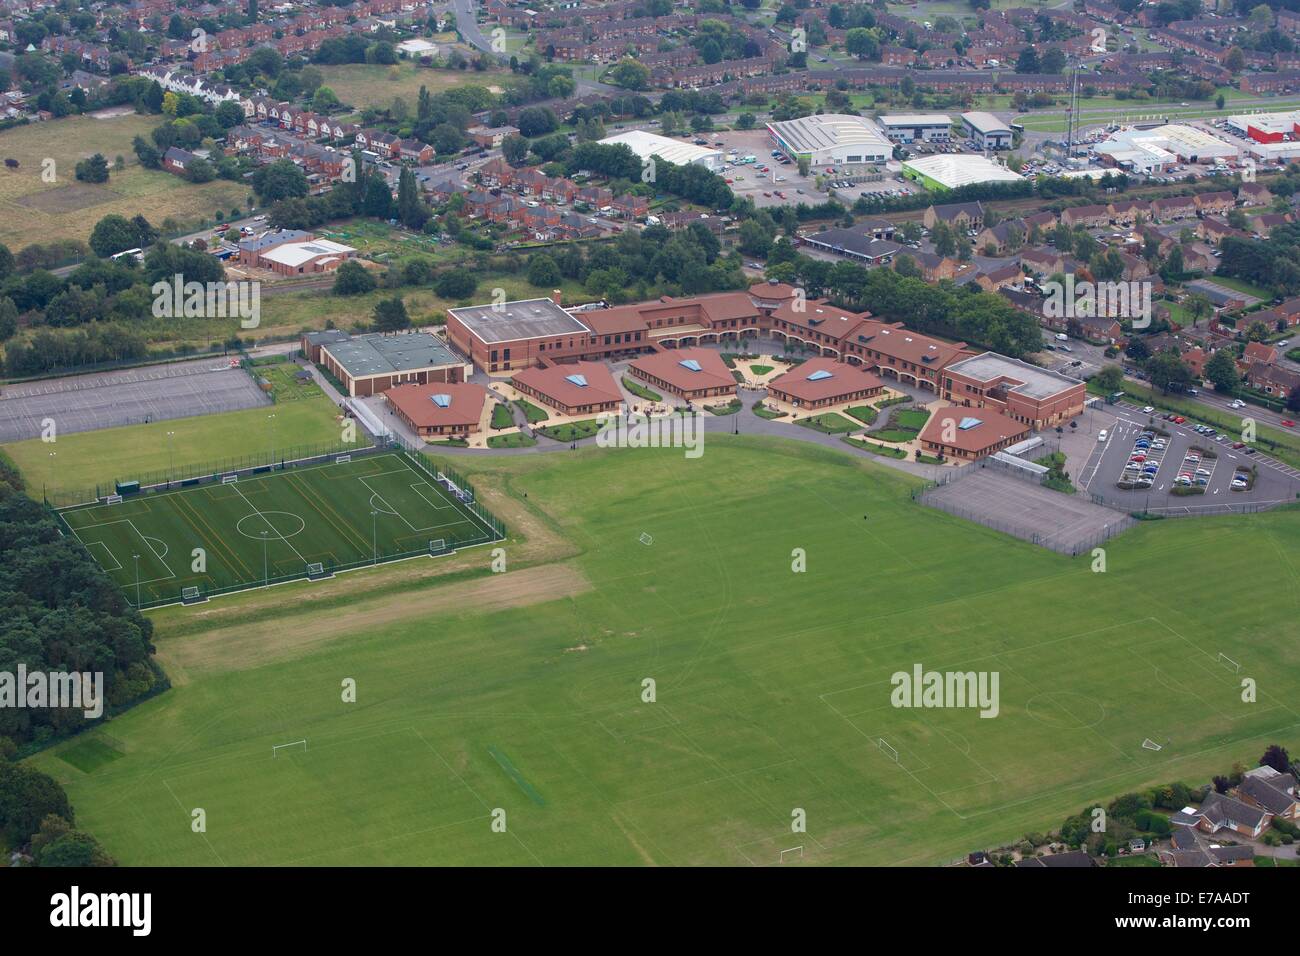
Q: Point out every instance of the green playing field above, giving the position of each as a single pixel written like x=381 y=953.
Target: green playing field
x=260 y=528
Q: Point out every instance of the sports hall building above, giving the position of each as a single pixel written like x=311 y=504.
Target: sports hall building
x=1033 y=396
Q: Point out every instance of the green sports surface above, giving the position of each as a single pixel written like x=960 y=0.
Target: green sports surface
x=771 y=686
x=272 y=526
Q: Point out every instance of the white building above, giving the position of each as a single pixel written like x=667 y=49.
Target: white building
x=1189 y=144
x=917 y=127
x=832 y=139
x=177 y=82
x=949 y=171
x=674 y=151
x=986 y=130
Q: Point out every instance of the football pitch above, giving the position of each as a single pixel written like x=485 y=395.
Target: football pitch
x=771 y=682
x=274 y=525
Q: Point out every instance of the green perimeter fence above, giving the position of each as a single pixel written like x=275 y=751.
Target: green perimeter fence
x=291 y=456
x=490 y=528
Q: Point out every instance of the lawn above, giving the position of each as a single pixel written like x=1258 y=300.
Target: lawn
x=84 y=460
x=832 y=423
x=571 y=431
x=513 y=440
x=761 y=370
x=531 y=411
x=772 y=688
x=502 y=417
x=641 y=391
x=273 y=525
x=864 y=413
x=374 y=84
x=39 y=211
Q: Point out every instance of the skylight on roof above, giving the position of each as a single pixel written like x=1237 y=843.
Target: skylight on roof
x=578 y=380
x=691 y=364
x=819 y=375
x=442 y=400
x=968 y=423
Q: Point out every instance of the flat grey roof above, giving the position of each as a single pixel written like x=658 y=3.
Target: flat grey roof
x=1037 y=382
x=327 y=337
x=512 y=321
x=986 y=122
x=376 y=354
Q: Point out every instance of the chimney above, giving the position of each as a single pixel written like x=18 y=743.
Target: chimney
x=556 y=295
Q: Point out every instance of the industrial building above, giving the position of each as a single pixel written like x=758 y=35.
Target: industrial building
x=917 y=127
x=1188 y=144
x=949 y=171
x=832 y=139
x=986 y=130
x=673 y=151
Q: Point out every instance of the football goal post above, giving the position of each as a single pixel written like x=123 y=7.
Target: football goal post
x=229 y=479
x=342 y=459
x=1149 y=744
x=1229 y=663
x=191 y=595
x=316 y=571
x=113 y=500
x=437 y=545
x=295 y=745
x=887 y=750
x=795 y=852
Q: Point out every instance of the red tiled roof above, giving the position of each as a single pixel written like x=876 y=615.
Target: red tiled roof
x=993 y=428
x=845 y=379
x=417 y=404
x=553 y=382
x=667 y=366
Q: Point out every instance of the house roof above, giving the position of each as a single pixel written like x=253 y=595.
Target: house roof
x=975 y=428
x=440 y=403
x=577 y=383
x=821 y=378
x=687 y=369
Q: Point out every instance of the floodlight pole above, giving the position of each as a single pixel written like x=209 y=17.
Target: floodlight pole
x=271 y=418
x=171 y=458
x=374 y=537
x=266 y=574
x=137 y=581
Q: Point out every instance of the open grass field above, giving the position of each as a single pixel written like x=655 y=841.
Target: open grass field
x=373 y=84
x=84 y=460
x=274 y=525
x=525 y=693
x=39 y=211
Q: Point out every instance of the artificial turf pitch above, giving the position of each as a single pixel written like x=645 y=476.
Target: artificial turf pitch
x=272 y=526
x=772 y=686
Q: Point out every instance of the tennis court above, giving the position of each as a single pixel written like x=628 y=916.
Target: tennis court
x=247 y=530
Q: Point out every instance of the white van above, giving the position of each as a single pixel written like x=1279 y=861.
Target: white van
x=1062 y=337
x=1101 y=435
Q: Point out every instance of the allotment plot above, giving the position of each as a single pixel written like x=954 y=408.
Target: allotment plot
x=249 y=530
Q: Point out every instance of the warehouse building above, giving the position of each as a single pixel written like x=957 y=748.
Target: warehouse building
x=949 y=171
x=832 y=139
x=673 y=151
x=1189 y=144
x=917 y=127
x=986 y=130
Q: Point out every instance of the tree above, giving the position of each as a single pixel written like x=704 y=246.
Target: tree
x=1199 y=306
x=515 y=149
x=456 y=284
x=630 y=75
x=1168 y=372
x=1277 y=758
x=861 y=43
x=1028 y=61
x=1293 y=400
x=352 y=278
x=543 y=272
x=93 y=170
x=279 y=180
x=1222 y=371
x=112 y=234
x=390 y=315
x=27 y=797
x=1110 y=378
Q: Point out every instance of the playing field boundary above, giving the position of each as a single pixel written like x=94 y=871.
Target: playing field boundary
x=433 y=541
